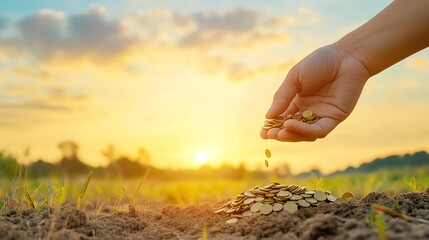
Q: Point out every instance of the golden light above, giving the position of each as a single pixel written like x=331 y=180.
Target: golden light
x=201 y=158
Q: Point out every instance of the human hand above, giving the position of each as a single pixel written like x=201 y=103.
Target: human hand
x=329 y=82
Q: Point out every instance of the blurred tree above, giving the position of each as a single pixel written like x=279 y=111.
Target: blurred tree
x=143 y=156
x=109 y=153
x=70 y=164
x=8 y=165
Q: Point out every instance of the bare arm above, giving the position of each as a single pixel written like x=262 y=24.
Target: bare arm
x=397 y=32
x=329 y=81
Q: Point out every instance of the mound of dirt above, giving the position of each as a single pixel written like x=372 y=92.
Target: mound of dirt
x=348 y=220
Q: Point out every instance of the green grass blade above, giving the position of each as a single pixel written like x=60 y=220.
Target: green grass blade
x=142 y=181
x=85 y=185
x=380 y=224
x=30 y=200
x=83 y=189
x=40 y=209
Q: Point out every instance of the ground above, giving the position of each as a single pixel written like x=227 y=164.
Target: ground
x=349 y=220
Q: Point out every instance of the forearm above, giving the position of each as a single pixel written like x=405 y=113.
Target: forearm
x=397 y=32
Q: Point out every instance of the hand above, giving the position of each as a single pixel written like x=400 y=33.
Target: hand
x=329 y=82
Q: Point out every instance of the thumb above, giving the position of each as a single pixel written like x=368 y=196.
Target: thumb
x=284 y=95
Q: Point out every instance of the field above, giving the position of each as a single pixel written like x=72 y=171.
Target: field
x=135 y=209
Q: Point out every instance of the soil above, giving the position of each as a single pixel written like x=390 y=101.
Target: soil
x=349 y=220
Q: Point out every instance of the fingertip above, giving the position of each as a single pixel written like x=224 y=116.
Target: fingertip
x=263 y=134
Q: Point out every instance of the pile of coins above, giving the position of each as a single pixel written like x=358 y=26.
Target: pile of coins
x=274 y=197
x=307 y=116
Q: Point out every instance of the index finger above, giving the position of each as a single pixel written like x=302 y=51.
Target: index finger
x=284 y=95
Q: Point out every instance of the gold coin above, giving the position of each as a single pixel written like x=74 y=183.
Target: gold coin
x=266 y=163
x=311 y=192
x=311 y=200
x=259 y=199
x=340 y=200
x=246 y=214
x=249 y=194
x=248 y=201
x=295 y=197
x=269 y=195
x=303 y=203
x=230 y=210
x=297 y=117
x=277 y=207
x=312 y=117
x=348 y=196
x=290 y=207
x=267 y=153
x=256 y=207
x=320 y=196
x=306 y=195
x=231 y=220
x=307 y=113
x=266 y=209
x=331 y=198
x=285 y=194
x=220 y=210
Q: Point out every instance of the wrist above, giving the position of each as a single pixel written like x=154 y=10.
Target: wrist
x=351 y=47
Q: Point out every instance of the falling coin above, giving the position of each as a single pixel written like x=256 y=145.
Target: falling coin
x=266 y=209
x=267 y=153
x=266 y=163
x=231 y=220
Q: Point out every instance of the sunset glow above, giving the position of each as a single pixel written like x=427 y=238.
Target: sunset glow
x=173 y=78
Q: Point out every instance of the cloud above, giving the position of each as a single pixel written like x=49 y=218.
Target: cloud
x=27 y=72
x=239 y=73
x=210 y=27
x=49 y=34
x=153 y=39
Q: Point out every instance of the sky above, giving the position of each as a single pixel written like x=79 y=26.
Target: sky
x=190 y=82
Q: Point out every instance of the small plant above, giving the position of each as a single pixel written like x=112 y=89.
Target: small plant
x=371 y=217
x=397 y=203
x=40 y=209
x=415 y=185
x=83 y=189
x=30 y=200
x=380 y=225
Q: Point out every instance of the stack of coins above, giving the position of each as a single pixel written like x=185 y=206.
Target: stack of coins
x=307 y=116
x=274 y=197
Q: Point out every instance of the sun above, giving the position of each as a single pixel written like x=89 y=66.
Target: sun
x=201 y=158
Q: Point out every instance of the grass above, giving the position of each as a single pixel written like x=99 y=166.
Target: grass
x=54 y=192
